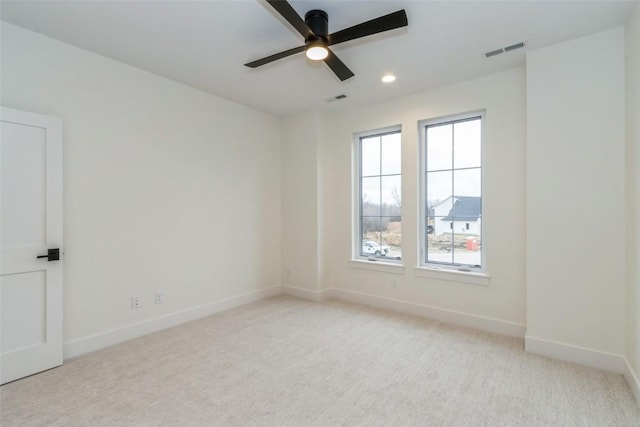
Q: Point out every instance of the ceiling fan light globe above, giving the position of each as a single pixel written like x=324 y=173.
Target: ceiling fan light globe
x=317 y=53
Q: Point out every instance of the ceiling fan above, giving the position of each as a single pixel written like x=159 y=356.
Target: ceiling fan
x=315 y=28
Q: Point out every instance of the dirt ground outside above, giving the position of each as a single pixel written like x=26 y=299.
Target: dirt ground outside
x=467 y=245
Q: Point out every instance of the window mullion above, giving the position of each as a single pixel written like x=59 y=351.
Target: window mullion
x=361 y=221
x=453 y=191
x=380 y=195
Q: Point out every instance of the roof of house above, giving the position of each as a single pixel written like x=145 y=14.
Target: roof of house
x=465 y=208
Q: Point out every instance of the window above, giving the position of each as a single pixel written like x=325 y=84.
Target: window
x=378 y=208
x=451 y=170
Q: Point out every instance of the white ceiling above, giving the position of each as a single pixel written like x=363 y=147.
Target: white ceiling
x=204 y=44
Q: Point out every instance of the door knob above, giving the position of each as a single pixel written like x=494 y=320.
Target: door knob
x=52 y=255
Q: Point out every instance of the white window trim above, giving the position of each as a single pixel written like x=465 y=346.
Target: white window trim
x=375 y=265
x=440 y=273
x=357 y=259
x=443 y=271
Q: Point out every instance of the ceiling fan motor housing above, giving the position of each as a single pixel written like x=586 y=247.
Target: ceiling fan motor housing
x=318 y=23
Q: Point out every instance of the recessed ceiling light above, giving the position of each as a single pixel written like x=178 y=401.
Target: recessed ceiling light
x=388 y=78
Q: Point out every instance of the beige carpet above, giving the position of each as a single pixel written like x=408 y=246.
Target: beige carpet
x=288 y=362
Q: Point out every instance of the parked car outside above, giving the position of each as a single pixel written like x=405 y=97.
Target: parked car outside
x=370 y=247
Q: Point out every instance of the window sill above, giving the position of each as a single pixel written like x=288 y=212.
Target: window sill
x=452 y=275
x=386 y=267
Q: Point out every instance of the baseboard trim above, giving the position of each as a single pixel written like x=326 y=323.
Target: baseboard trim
x=115 y=336
x=306 y=293
x=575 y=354
x=487 y=324
x=632 y=380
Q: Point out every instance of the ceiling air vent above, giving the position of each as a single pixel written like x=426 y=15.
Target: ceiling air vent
x=504 y=49
x=514 y=47
x=336 y=98
x=494 y=53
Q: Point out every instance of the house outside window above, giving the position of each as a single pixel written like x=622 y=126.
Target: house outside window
x=451 y=192
x=378 y=201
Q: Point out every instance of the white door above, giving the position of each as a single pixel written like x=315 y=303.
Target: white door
x=30 y=225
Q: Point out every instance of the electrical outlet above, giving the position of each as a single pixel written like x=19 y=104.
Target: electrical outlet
x=135 y=302
x=394 y=284
x=159 y=298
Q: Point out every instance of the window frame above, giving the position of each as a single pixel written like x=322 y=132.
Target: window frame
x=356 y=197
x=423 y=264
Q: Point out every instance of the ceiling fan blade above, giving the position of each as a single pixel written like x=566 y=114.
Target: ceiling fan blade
x=338 y=67
x=378 y=25
x=286 y=10
x=274 y=57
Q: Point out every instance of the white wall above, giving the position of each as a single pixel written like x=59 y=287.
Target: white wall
x=575 y=193
x=503 y=97
x=632 y=46
x=300 y=238
x=165 y=187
